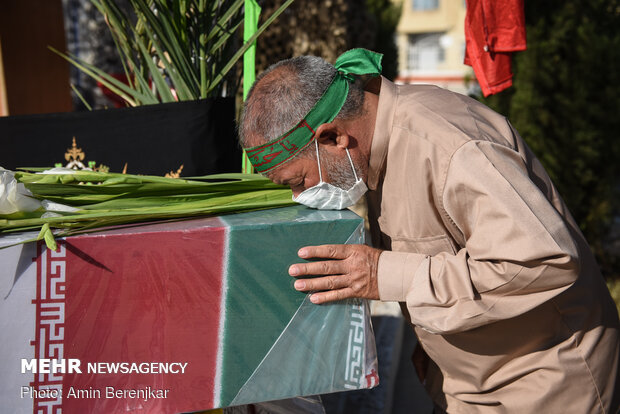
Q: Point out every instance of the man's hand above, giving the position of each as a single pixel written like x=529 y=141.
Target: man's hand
x=351 y=272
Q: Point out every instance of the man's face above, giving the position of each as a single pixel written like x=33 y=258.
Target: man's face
x=299 y=174
x=303 y=173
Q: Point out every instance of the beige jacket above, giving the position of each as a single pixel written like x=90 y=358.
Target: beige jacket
x=501 y=286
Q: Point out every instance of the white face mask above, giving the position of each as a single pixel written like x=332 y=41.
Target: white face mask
x=326 y=196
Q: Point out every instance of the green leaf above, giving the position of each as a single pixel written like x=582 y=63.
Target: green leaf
x=180 y=85
x=194 y=39
x=104 y=199
x=158 y=79
x=248 y=44
x=222 y=23
x=162 y=32
x=46 y=234
x=118 y=24
x=79 y=95
x=130 y=95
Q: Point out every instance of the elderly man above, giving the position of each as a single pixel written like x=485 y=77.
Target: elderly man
x=469 y=234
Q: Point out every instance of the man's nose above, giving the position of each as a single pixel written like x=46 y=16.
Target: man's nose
x=296 y=191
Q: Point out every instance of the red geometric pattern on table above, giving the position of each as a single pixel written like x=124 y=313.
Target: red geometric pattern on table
x=49 y=325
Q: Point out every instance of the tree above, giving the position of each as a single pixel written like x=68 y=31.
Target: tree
x=387 y=15
x=565 y=103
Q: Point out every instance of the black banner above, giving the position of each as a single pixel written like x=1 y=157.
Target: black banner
x=151 y=139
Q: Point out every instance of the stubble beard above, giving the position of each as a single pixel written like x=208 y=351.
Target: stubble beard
x=339 y=170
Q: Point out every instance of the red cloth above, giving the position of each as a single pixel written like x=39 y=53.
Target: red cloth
x=493 y=30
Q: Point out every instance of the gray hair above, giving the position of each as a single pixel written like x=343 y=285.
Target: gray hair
x=284 y=94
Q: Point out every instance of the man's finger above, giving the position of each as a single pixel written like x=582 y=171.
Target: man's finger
x=323 y=283
x=332 y=267
x=331 y=296
x=325 y=251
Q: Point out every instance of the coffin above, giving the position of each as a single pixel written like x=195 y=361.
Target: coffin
x=178 y=317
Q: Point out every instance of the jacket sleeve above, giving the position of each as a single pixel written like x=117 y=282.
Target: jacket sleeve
x=518 y=250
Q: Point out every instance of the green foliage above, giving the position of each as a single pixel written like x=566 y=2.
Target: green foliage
x=387 y=14
x=185 y=46
x=614 y=290
x=565 y=102
x=95 y=199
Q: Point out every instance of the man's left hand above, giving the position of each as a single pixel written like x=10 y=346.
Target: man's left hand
x=351 y=272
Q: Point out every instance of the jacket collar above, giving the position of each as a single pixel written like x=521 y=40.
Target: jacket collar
x=383 y=128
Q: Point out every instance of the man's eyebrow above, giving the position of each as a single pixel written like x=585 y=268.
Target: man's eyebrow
x=269 y=175
x=281 y=181
x=288 y=180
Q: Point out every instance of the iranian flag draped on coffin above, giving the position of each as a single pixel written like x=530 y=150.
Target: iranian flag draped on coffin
x=178 y=317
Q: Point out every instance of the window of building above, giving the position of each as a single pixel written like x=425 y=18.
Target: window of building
x=425 y=51
x=425 y=4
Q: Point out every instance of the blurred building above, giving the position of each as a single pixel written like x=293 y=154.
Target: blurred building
x=431 y=45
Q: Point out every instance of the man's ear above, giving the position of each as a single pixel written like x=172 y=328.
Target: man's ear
x=332 y=134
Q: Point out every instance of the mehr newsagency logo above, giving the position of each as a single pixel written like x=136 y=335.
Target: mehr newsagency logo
x=74 y=366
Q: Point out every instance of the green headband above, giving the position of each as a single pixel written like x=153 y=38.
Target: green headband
x=272 y=154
